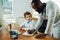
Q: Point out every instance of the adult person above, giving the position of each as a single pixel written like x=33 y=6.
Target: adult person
x=51 y=12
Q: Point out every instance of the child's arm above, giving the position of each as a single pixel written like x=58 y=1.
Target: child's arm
x=22 y=25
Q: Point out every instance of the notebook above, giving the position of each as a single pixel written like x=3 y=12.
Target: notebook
x=27 y=34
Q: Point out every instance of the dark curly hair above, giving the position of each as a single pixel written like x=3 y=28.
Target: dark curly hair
x=39 y=5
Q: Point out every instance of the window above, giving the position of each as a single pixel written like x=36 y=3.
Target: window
x=8 y=18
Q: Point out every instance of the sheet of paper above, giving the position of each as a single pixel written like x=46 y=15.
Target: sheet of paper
x=25 y=28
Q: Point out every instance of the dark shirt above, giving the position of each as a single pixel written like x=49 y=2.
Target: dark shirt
x=43 y=26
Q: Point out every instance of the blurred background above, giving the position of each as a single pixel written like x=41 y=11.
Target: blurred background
x=12 y=11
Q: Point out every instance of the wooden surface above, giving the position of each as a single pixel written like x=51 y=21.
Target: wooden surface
x=6 y=36
x=21 y=37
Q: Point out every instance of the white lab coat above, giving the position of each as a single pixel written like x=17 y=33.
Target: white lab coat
x=53 y=16
x=53 y=25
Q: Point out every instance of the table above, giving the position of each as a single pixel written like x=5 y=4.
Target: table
x=21 y=37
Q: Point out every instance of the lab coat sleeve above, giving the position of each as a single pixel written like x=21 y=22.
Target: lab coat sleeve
x=50 y=10
x=39 y=22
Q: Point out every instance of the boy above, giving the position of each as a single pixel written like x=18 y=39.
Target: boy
x=28 y=24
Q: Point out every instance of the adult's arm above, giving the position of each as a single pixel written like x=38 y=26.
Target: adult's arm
x=51 y=13
x=39 y=22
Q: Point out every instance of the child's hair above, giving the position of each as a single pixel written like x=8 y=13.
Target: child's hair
x=27 y=13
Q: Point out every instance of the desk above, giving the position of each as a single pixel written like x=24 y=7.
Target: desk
x=21 y=37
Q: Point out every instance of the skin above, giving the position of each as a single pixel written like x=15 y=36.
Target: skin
x=36 y=8
x=28 y=17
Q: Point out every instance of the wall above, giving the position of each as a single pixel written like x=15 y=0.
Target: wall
x=0 y=12
x=21 y=6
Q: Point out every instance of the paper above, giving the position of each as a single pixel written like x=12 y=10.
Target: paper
x=25 y=28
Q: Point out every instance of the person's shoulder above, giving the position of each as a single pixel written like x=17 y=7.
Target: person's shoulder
x=50 y=2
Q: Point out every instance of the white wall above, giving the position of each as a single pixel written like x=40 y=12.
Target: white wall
x=0 y=12
x=44 y=0
x=21 y=6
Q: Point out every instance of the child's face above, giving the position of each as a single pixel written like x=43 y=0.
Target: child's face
x=28 y=17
